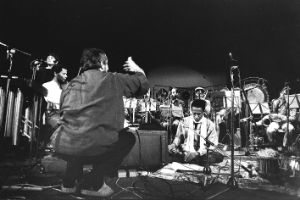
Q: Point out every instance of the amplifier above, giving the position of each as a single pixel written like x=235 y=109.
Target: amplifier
x=149 y=151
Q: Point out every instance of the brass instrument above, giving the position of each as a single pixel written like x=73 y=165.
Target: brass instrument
x=272 y=117
x=266 y=121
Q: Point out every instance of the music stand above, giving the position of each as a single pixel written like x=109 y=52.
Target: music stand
x=131 y=104
x=294 y=100
x=237 y=99
x=260 y=108
x=227 y=101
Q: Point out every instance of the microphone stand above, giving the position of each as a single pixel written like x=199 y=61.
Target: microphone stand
x=288 y=109
x=10 y=53
x=170 y=120
x=250 y=110
x=232 y=182
x=223 y=153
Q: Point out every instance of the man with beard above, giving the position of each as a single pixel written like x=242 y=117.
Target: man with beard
x=54 y=89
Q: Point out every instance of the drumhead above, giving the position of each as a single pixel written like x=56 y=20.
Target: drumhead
x=256 y=90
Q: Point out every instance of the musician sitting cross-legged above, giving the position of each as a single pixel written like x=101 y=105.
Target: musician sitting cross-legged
x=193 y=134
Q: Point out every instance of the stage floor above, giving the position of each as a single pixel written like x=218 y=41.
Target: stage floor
x=40 y=180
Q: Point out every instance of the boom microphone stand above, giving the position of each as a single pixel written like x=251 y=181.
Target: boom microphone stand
x=9 y=55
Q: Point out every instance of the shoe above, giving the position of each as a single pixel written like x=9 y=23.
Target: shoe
x=68 y=190
x=104 y=191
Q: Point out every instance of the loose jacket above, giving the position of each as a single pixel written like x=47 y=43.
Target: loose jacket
x=92 y=111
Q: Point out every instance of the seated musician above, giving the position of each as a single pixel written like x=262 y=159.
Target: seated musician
x=147 y=107
x=276 y=121
x=200 y=93
x=44 y=69
x=130 y=105
x=54 y=89
x=190 y=142
x=176 y=112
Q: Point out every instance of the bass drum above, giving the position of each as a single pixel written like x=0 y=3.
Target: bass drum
x=256 y=90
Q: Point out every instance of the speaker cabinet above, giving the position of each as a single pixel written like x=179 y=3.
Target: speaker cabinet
x=149 y=150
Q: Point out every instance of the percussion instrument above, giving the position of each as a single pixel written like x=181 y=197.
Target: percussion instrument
x=256 y=90
x=14 y=111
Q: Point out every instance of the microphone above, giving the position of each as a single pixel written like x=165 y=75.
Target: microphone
x=9 y=53
x=231 y=57
x=234 y=67
x=38 y=61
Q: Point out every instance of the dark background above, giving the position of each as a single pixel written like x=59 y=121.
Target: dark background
x=263 y=35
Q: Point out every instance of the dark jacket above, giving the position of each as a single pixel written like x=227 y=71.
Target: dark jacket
x=92 y=111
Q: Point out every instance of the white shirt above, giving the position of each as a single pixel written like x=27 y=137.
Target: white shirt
x=54 y=92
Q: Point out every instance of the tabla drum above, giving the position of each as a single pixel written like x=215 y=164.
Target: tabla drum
x=256 y=90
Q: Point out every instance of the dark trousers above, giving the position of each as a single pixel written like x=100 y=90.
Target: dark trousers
x=52 y=122
x=213 y=158
x=104 y=164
